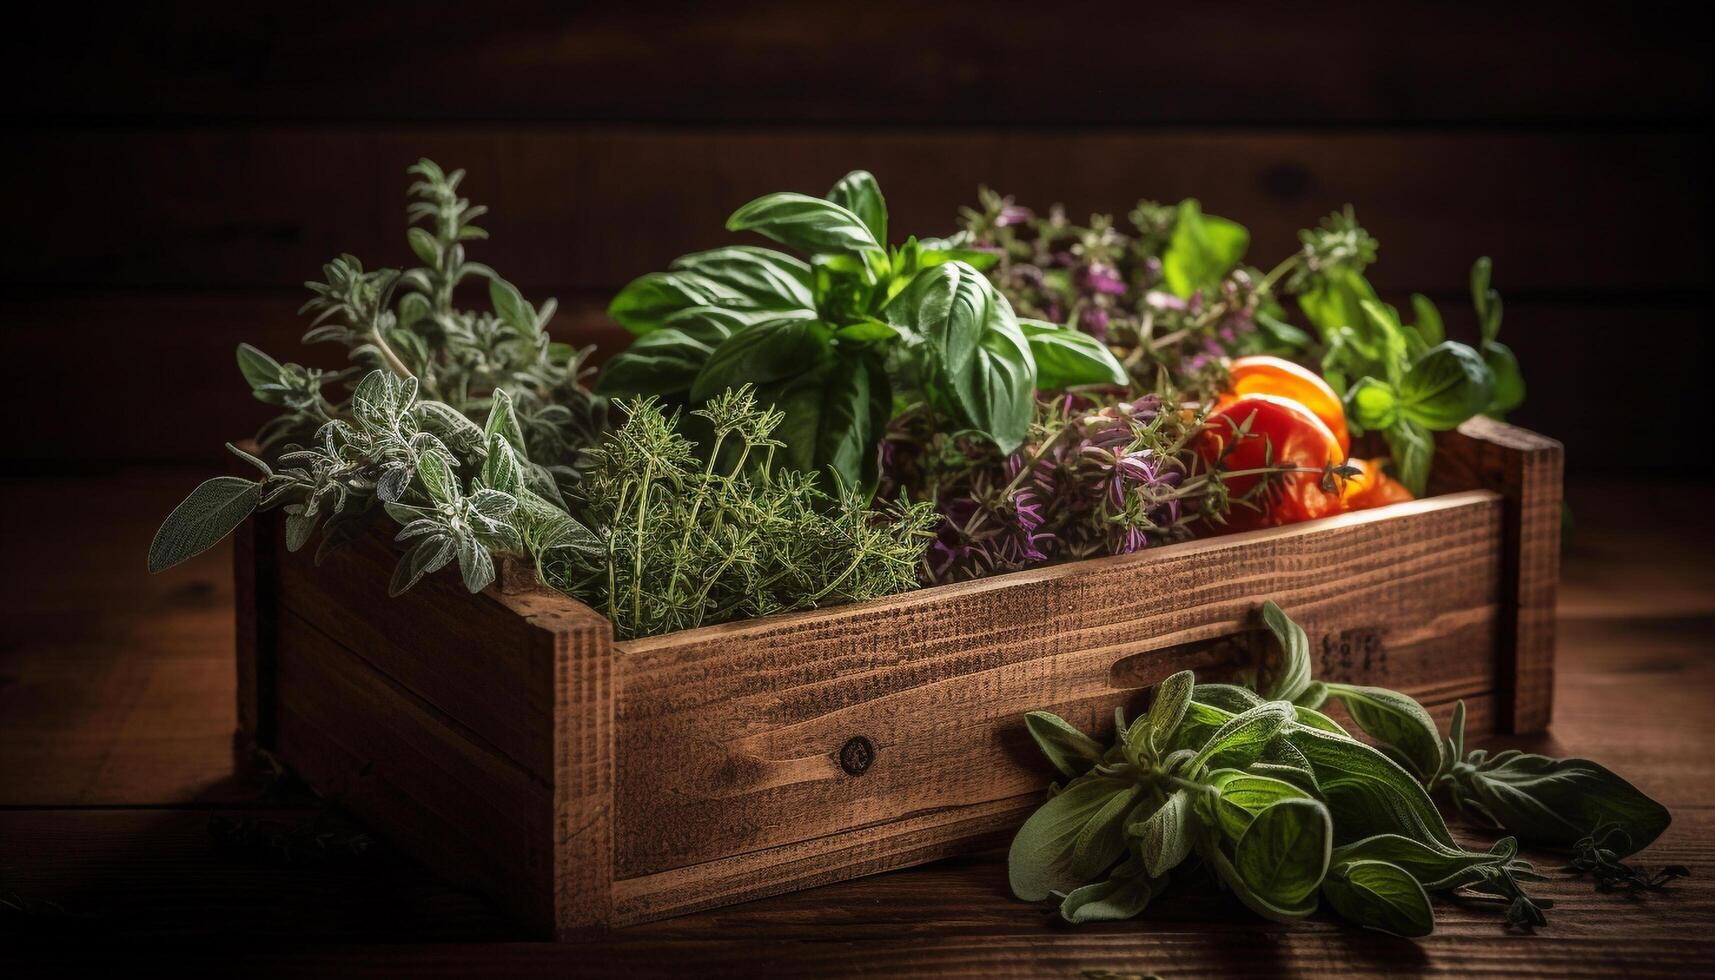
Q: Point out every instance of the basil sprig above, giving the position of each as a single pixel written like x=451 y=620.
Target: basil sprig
x=835 y=339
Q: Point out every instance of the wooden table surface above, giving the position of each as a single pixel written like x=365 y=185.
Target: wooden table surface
x=131 y=841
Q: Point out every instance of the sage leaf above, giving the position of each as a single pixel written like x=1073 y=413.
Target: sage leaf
x=1164 y=839
x=1438 y=867
x=1556 y=802
x=1292 y=675
x=1312 y=718
x=1039 y=862
x=1284 y=853
x=1243 y=795
x=1395 y=720
x=1369 y=793
x=1123 y=895
x=1381 y=896
x=1102 y=840
x=198 y=523
x=1071 y=751
x=1172 y=700
x=1238 y=742
x=1228 y=697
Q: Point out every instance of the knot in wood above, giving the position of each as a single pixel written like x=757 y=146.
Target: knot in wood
x=856 y=755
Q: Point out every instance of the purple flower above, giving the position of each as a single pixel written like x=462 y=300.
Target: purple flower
x=1102 y=278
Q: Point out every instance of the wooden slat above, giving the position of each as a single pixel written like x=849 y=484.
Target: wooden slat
x=588 y=207
x=1525 y=468
x=379 y=752
x=730 y=736
x=778 y=61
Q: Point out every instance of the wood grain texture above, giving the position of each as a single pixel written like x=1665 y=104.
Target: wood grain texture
x=775 y=61
x=1525 y=468
x=730 y=736
x=145 y=893
x=588 y=208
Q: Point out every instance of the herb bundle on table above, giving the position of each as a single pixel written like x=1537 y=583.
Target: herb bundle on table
x=1286 y=809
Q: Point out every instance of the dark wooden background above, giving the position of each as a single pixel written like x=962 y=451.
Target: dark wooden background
x=174 y=173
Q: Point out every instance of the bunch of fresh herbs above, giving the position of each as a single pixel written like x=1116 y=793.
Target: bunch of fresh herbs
x=1285 y=808
x=839 y=340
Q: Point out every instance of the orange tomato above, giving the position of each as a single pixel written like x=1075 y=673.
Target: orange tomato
x=1371 y=487
x=1265 y=375
x=1280 y=432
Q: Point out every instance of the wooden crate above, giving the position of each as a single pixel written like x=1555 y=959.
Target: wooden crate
x=508 y=741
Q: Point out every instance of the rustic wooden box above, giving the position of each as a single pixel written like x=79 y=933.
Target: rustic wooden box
x=507 y=741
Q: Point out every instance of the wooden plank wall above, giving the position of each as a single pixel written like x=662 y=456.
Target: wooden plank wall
x=174 y=173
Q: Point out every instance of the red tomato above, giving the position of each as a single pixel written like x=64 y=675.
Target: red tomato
x=1281 y=432
x=1265 y=375
x=1371 y=487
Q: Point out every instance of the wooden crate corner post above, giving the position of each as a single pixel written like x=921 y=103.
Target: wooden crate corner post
x=1526 y=470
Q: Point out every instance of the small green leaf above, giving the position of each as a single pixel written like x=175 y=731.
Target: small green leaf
x=1429 y=326
x=1165 y=838
x=1040 y=860
x=258 y=368
x=510 y=307
x=809 y=224
x=1509 y=382
x=1238 y=742
x=859 y=193
x=1447 y=385
x=1292 y=675
x=1244 y=795
x=1557 y=802
x=1102 y=840
x=1071 y=751
x=766 y=353
x=1380 y=896
x=1068 y=358
x=1202 y=250
x=1413 y=448
x=1372 y=404
x=1121 y=896
x=1371 y=793
x=198 y=523
x=504 y=421
x=761 y=278
x=1396 y=720
x=500 y=468
x=1172 y=700
x=1438 y=867
x=1284 y=853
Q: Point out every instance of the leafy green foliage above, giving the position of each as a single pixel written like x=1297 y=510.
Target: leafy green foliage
x=1274 y=798
x=834 y=342
x=1542 y=800
x=1201 y=251
x=685 y=539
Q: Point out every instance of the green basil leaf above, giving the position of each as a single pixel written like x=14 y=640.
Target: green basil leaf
x=1558 y=801
x=1124 y=895
x=1447 y=385
x=1201 y=251
x=766 y=279
x=1336 y=300
x=198 y=523
x=1067 y=358
x=809 y=224
x=766 y=353
x=1509 y=383
x=1071 y=751
x=1380 y=896
x=1395 y=720
x=1428 y=326
x=1436 y=866
x=1284 y=854
x=1243 y=795
x=868 y=331
x=1291 y=675
x=970 y=342
x=1242 y=739
x=666 y=362
x=833 y=421
x=1413 y=448
x=648 y=300
x=1368 y=793
x=1039 y=862
x=859 y=193
x=1372 y=404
